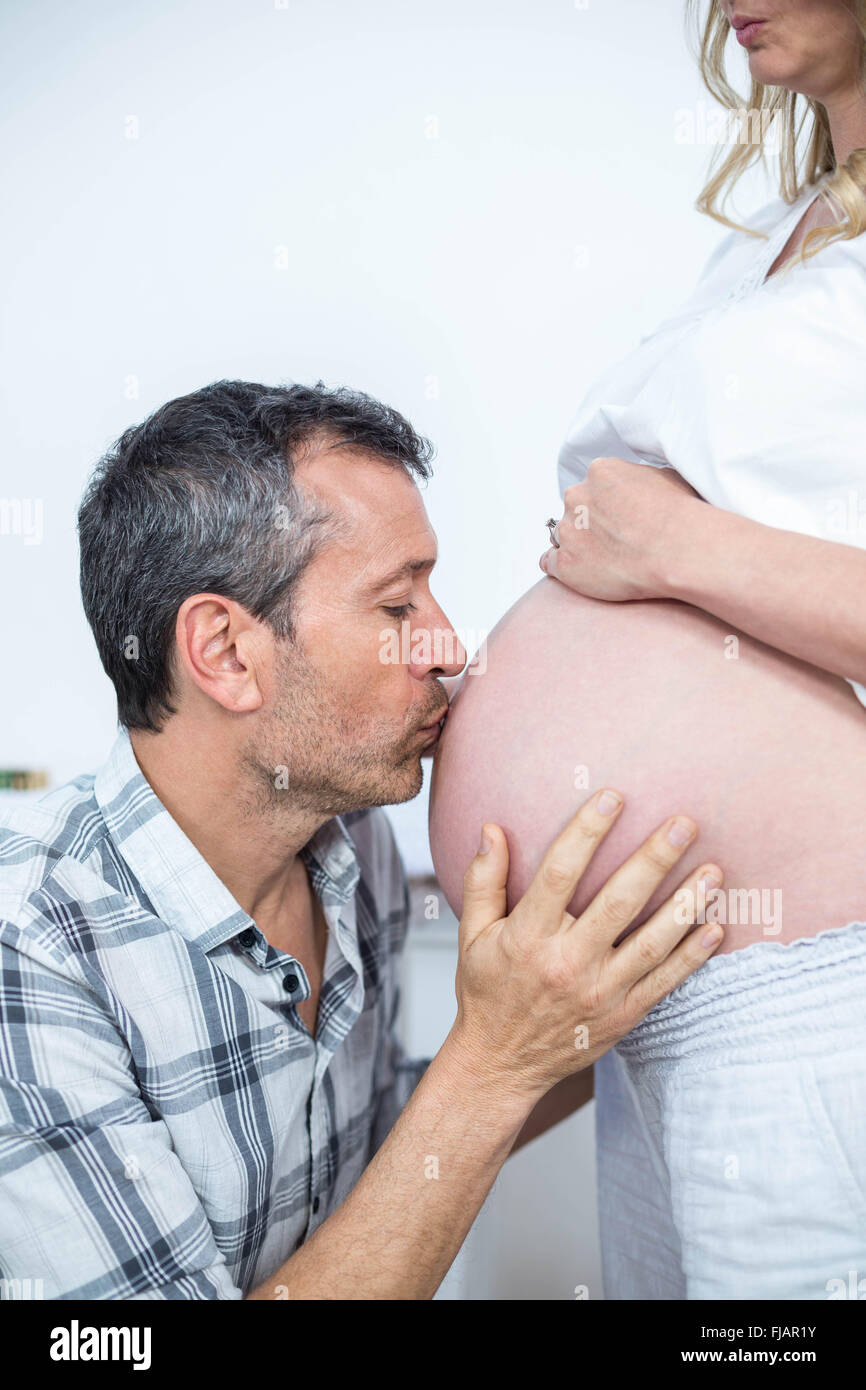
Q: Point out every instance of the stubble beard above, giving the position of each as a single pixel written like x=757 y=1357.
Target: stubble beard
x=315 y=753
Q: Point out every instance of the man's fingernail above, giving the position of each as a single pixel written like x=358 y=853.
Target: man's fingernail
x=607 y=803
x=680 y=832
x=711 y=937
x=485 y=844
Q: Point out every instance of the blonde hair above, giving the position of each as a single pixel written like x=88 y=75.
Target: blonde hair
x=798 y=169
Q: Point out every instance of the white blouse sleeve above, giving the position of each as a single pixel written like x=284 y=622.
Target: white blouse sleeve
x=754 y=391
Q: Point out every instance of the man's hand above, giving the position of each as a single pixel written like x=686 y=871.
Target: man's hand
x=541 y=994
x=619 y=529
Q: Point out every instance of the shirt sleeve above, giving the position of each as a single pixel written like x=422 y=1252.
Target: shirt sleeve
x=398 y=1074
x=94 y=1203
x=402 y=1075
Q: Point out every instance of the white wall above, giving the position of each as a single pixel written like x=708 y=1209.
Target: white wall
x=479 y=197
x=467 y=208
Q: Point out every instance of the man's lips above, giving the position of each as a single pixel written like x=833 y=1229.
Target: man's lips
x=432 y=730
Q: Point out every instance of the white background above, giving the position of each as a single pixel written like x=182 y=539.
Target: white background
x=483 y=198
x=467 y=208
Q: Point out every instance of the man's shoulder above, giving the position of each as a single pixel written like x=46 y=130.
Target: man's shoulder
x=51 y=865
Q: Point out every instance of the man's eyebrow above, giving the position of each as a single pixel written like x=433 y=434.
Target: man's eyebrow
x=410 y=567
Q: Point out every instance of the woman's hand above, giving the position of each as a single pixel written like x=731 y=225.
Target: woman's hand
x=621 y=524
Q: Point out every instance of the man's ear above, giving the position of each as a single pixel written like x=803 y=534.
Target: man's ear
x=219 y=649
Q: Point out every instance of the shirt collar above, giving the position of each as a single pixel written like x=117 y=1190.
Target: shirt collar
x=180 y=884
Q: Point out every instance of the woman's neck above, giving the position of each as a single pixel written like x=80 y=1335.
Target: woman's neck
x=847 y=116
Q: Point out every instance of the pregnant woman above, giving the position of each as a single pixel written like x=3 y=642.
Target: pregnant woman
x=700 y=640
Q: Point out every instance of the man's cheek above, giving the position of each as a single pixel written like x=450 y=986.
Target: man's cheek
x=333 y=648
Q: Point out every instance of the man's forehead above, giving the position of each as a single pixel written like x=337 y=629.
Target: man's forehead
x=383 y=529
x=358 y=478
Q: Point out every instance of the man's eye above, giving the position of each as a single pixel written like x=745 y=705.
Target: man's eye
x=402 y=611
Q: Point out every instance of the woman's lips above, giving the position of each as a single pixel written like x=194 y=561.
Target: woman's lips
x=750 y=31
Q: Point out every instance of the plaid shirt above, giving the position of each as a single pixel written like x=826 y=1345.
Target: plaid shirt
x=168 y=1127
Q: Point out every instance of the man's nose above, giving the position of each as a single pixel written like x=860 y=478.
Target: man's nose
x=439 y=648
x=459 y=654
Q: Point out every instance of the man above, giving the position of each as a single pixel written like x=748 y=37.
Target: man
x=201 y=1094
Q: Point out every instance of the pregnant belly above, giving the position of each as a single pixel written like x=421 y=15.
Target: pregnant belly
x=681 y=714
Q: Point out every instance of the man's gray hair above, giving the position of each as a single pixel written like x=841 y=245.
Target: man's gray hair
x=199 y=498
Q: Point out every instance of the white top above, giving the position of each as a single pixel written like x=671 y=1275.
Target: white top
x=755 y=392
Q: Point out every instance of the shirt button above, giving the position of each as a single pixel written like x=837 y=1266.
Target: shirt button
x=247 y=938
x=315 y=1205
x=290 y=983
